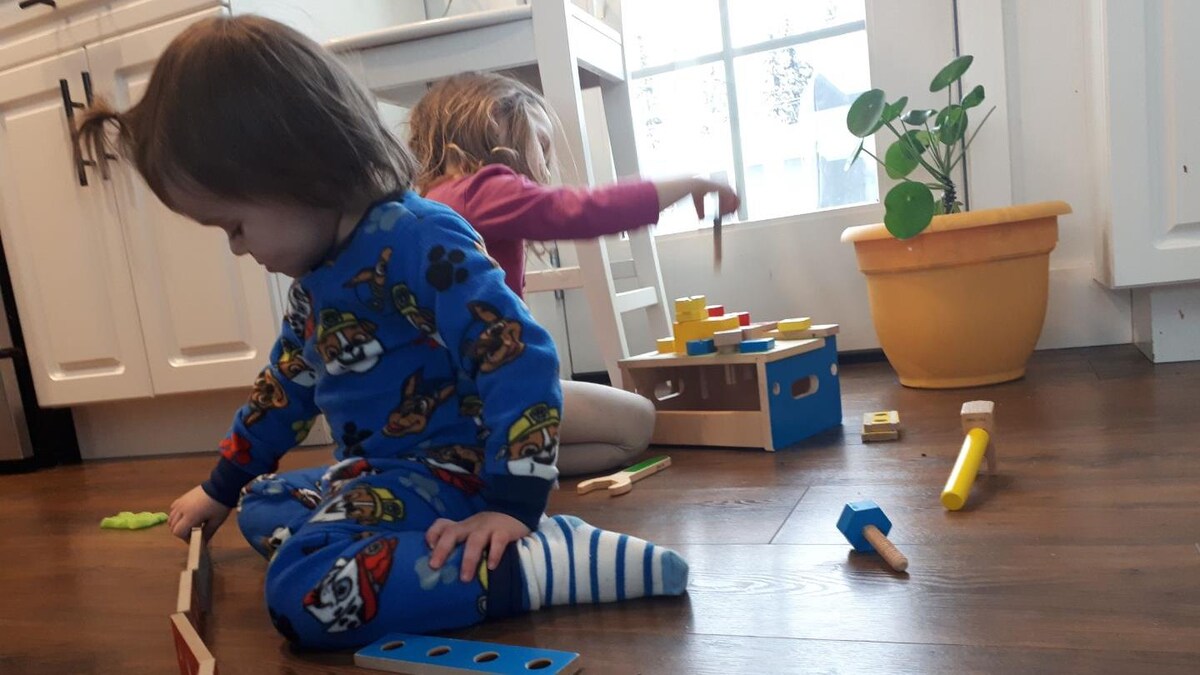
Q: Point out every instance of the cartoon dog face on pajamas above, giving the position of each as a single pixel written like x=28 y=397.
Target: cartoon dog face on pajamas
x=293 y=366
x=347 y=344
x=406 y=304
x=363 y=504
x=348 y=596
x=533 y=443
x=375 y=278
x=412 y=416
x=267 y=395
x=499 y=343
x=456 y=465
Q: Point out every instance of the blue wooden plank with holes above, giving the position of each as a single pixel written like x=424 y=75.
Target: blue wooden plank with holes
x=805 y=395
x=428 y=655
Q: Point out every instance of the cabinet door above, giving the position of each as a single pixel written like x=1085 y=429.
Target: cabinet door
x=64 y=246
x=206 y=315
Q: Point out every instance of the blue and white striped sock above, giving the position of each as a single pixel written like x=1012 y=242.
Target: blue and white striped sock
x=567 y=562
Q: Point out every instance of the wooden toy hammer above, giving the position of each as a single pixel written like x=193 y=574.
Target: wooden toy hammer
x=622 y=481
x=865 y=526
x=978 y=423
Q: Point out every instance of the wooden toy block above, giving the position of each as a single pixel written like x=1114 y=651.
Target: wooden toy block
x=743 y=318
x=789 y=335
x=822 y=330
x=200 y=563
x=754 y=346
x=978 y=422
x=691 y=309
x=622 y=481
x=769 y=400
x=723 y=338
x=429 y=655
x=865 y=526
x=757 y=330
x=727 y=349
x=190 y=652
x=715 y=310
x=685 y=332
x=665 y=345
x=792 y=325
x=878 y=436
x=701 y=347
x=888 y=420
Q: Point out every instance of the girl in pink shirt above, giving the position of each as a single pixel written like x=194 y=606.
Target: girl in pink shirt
x=484 y=143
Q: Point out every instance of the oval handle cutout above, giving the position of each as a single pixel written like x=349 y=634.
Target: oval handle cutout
x=805 y=386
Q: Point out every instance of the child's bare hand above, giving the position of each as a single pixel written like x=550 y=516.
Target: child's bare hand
x=193 y=509
x=488 y=529
x=727 y=200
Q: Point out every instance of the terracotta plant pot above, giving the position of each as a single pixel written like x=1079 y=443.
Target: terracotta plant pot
x=962 y=303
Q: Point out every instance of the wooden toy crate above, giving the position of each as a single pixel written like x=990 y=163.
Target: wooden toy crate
x=768 y=400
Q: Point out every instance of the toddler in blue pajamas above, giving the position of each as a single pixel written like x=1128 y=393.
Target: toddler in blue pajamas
x=442 y=391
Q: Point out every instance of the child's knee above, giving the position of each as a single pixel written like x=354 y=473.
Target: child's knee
x=640 y=422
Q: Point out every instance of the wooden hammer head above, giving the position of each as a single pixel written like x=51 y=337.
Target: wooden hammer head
x=979 y=415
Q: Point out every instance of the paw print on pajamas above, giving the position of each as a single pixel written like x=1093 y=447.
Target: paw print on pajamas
x=444 y=270
x=430 y=578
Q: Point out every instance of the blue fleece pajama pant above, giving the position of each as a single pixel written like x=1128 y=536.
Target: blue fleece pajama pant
x=348 y=558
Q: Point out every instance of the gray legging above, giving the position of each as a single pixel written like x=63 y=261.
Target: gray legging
x=603 y=428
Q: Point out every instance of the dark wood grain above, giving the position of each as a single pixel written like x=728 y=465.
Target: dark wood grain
x=1081 y=555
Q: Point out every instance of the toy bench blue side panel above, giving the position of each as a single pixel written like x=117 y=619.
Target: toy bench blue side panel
x=795 y=419
x=413 y=656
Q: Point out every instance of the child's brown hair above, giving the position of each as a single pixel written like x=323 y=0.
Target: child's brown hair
x=474 y=119
x=247 y=108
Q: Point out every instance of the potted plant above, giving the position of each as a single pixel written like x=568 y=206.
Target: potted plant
x=962 y=304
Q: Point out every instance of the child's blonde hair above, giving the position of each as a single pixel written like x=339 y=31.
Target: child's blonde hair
x=471 y=120
x=247 y=108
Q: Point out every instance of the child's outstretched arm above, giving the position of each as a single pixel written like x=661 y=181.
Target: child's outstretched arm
x=276 y=417
x=505 y=205
x=514 y=365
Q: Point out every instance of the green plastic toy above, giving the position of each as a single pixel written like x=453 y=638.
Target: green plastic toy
x=128 y=520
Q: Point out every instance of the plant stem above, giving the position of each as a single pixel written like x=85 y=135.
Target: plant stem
x=920 y=156
x=967 y=144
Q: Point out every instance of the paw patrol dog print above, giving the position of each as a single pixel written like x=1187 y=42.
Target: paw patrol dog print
x=363 y=504
x=499 y=342
x=299 y=316
x=348 y=596
x=533 y=443
x=347 y=344
x=267 y=395
x=375 y=279
x=292 y=365
x=420 y=318
x=412 y=416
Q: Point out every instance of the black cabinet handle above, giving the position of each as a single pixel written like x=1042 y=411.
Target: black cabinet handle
x=89 y=96
x=69 y=106
x=26 y=4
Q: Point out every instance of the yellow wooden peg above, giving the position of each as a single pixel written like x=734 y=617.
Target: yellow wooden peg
x=666 y=345
x=793 y=325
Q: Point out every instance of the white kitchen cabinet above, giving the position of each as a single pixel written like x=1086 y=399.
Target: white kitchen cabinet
x=65 y=245
x=206 y=315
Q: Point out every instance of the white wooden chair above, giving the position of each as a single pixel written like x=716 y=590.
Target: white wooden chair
x=568 y=50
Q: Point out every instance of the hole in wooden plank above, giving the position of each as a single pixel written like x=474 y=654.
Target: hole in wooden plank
x=775 y=389
x=833 y=369
x=392 y=645
x=806 y=386
x=538 y=664
x=486 y=656
x=438 y=651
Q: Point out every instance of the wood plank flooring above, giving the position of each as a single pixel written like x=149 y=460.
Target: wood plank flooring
x=1083 y=555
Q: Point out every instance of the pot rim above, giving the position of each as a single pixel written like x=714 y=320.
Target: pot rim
x=965 y=220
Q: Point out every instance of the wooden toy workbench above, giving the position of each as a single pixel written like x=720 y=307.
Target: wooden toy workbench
x=769 y=400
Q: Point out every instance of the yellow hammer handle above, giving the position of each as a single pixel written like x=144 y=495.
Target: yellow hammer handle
x=958 y=486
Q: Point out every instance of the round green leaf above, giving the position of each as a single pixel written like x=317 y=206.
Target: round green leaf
x=953 y=70
x=863 y=118
x=952 y=124
x=974 y=98
x=900 y=159
x=909 y=209
x=892 y=110
x=917 y=117
x=925 y=138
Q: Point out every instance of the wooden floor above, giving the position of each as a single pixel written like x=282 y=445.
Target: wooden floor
x=1082 y=556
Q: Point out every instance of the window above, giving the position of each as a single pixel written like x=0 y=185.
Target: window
x=754 y=93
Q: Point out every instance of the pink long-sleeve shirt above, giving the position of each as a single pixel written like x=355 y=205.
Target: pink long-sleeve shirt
x=508 y=208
